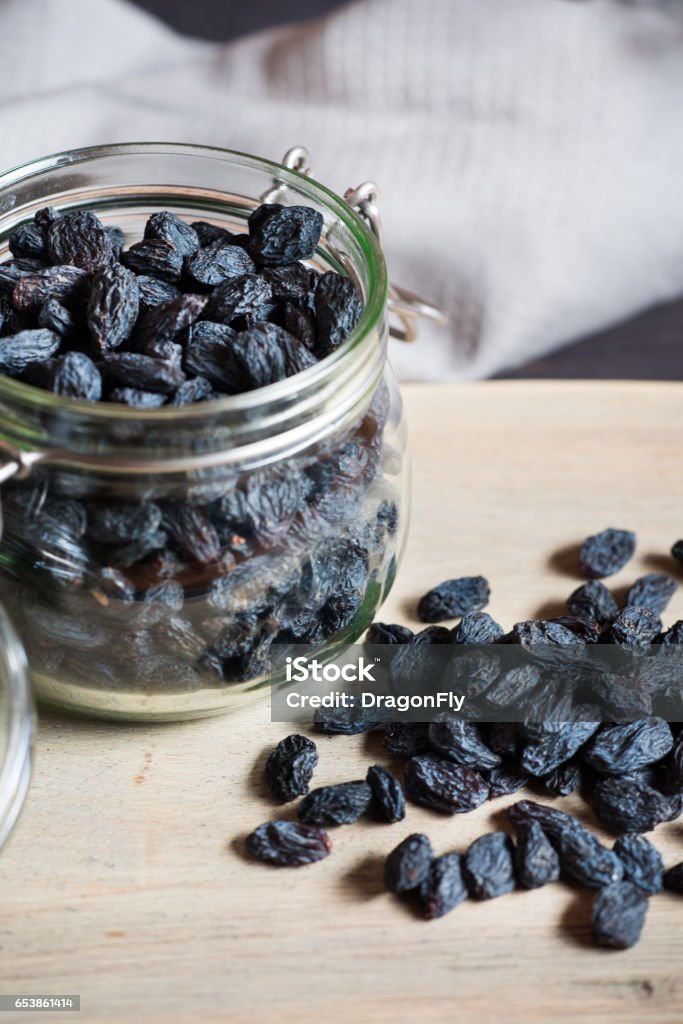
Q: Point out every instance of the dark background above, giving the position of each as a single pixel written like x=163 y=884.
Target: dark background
x=648 y=346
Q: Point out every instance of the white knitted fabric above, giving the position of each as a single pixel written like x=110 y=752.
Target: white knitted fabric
x=529 y=152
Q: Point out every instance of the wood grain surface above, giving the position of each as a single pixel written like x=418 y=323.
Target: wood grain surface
x=125 y=880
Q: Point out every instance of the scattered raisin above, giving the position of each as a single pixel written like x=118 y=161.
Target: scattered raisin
x=289 y=843
x=407 y=866
x=453 y=598
x=290 y=767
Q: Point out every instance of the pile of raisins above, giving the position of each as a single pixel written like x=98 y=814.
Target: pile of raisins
x=156 y=592
x=631 y=774
x=191 y=313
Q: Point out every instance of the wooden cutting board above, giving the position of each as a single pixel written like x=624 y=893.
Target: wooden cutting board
x=125 y=880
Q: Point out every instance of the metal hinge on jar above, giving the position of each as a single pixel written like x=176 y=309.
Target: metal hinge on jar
x=405 y=306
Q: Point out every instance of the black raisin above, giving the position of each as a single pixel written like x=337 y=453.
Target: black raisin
x=407 y=866
x=388 y=798
x=145 y=373
x=154 y=292
x=28 y=240
x=246 y=294
x=217 y=262
x=336 y=805
x=338 y=309
x=505 y=779
x=154 y=258
x=634 y=627
x=196 y=390
x=289 y=843
x=619 y=749
x=79 y=239
x=193 y=532
x=164 y=322
x=627 y=804
x=76 y=376
x=443 y=786
x=476 y=628
x=461 y=743
x=642 y=862
x=593 y=601
x=605 y=553
x=290 y=767
x=652 y=591
x=283 y=234
x=388 y=633
x=618 y=915
x=407 y=739
x=19 y=351
x=453 y=598
x=117 y=522
x=488 y=866
x=67 y=284
x=56 y=317
x=443 y=888
x=553 y=743
x=209 y=354
x=166 y=227
x=113 y=306
x=536 y=861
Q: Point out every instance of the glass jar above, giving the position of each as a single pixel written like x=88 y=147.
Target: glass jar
x=16 y=727
x=273 y=516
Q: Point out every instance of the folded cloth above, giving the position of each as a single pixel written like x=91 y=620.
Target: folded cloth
x=529 y=152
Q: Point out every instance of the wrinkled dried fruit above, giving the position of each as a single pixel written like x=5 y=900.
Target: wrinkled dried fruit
x=443 y=786
x=461 y=743
x=388 y=799
x=79 y=239
x=642 y=862
x=388 y=633
x=283 y=234
x=635 y=627
x=290 y=767
x=338 y=308
x=443 y=888
x=536 y=861
x=627 y=804
x=606 y=553
x=67 y=284
x=336 y=805
x=488 y=866
x=476 y=628
x=593 y=601
x=19 y=351
x=289 y=843
x=618 y=915
x=76 y=376
x=453 y=598
x=619 y=749
x=652 y=591
x=407 y=866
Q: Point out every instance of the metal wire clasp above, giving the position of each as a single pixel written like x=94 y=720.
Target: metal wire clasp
x=406 y=306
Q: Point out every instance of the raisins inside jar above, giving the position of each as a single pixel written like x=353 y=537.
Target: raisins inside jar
x=147 y=592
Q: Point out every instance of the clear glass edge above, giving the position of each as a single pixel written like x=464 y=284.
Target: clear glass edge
x=15 y=773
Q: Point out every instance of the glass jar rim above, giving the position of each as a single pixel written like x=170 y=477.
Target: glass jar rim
x=15 y=770
x=109 y=412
